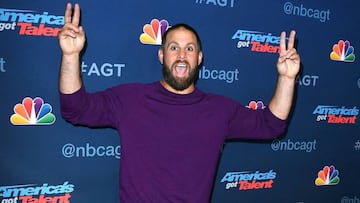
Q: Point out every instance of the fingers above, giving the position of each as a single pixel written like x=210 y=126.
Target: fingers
x=293 y=55
x=68 y=13
x=288 y=63
x=71 y=27
x=290 y=44
x=289 y=54
x=69 y=30
x=282 y=43
x=291 y=41
x=70 y=17
x=76 y=17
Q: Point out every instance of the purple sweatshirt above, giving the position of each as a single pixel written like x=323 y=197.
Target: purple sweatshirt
x=170 y=143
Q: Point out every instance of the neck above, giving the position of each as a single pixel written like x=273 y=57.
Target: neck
x=188 y=90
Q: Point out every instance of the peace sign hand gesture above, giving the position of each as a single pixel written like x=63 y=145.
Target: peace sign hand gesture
x=72 y=36
x=288 y=63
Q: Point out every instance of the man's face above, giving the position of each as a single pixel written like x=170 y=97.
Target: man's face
x=180 y=57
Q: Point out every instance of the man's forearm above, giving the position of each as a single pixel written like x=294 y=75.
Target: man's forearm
x=281 y=102
x=70 y=75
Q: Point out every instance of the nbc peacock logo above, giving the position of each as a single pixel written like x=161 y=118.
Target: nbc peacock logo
x=254 y=105
x=153 y=32
x=327 y=176
x=343 y=51
x=32 y=112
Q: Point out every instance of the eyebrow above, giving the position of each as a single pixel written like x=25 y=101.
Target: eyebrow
x=188 y=44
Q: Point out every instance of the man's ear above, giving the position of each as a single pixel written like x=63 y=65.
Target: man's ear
x=200 y=57
x=161 y=55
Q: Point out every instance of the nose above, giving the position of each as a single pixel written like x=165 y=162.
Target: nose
x=182 y=53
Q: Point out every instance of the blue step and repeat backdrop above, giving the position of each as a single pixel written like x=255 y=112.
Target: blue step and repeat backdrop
x=45 y=159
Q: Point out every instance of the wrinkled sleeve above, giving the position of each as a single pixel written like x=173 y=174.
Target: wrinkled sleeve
x=255 y=124
x=87 y=109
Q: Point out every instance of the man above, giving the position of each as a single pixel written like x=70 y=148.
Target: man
x=171 y=132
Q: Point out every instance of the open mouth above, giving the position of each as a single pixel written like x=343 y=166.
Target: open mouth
x=181 y=69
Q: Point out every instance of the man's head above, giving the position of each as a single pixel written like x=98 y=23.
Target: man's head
x=180 y=55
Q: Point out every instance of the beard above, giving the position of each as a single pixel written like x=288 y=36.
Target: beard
x=177 y=83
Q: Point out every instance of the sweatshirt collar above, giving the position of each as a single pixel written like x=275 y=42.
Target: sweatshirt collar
x=165 y=96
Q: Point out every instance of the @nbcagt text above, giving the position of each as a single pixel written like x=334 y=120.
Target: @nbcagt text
x=290 y=145
x=89 y=151
x=302 y=11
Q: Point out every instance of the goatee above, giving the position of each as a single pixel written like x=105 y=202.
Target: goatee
x=177 y=83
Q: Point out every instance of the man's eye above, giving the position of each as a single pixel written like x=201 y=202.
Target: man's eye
x=190 y=49
x=173 y=48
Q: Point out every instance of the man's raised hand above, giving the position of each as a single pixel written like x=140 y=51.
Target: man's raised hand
x=72 y=36
x=288 y=63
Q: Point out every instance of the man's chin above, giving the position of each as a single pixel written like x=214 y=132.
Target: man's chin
x=179 y=85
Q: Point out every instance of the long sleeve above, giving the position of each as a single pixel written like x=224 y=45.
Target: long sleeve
x=82 y=108
x=255 y=124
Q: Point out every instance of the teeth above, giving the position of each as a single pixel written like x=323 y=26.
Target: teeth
x=181 y=65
